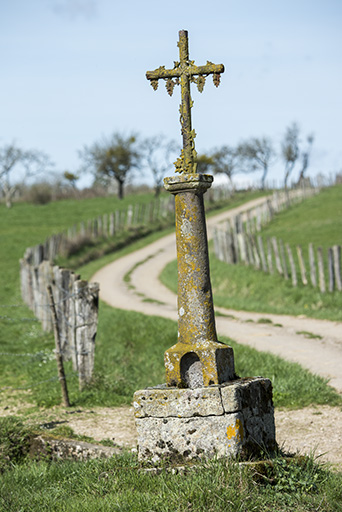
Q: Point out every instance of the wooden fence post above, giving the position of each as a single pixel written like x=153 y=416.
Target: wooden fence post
x=59 y=359
x=321 y=276
x=283 y=259
x=216 y=242
x=86 y=313
x=225 y=246
x=105 y=225
x=129 y=216
x=230 y=246
x=235 y=240
x=262 y=253
x=337 y=266
x=301 y=265
x=276 y=254
x=117 y=221
x=111 y=224
x=331 y=269
x=254 y=255
x=313 y=273
x=269 y=256
x=292 y=265
x=218 y=245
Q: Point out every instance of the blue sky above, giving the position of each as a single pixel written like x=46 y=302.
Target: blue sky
x=73 y=71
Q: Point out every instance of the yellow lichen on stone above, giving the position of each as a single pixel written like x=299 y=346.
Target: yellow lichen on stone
x=235 y=432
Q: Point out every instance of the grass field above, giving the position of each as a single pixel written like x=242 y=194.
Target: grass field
x=317 y=220
x=129 y=356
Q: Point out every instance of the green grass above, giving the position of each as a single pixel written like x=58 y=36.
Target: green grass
x=317 y=220
x=120 y=484
x=26 y=225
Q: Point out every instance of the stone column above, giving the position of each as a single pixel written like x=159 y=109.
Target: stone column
x=198 y=359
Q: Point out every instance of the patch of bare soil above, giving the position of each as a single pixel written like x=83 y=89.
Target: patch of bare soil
x=315 y=430
x=116 y=424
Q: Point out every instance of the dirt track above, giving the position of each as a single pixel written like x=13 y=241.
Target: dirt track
x=306 y=430
x=148 y=295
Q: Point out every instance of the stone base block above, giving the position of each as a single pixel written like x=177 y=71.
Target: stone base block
x=235 y=418
x=207 y=363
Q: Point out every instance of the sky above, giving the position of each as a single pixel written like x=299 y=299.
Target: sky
x=73 y=72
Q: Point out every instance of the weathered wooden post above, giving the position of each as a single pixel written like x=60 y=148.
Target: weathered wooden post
x=58 y=353
x=205 y=410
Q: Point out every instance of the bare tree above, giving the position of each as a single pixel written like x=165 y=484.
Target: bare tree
x=157 y=154
x=305 y=156
x=257 y=153
x=113 y=158
x=290 y=150
x=226 y=160
x=25 y=164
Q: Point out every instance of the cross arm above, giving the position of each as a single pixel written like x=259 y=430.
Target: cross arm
x=163 y=73
x=190 y=70
x=208 y=69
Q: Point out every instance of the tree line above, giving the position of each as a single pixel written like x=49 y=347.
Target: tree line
x=115 y=158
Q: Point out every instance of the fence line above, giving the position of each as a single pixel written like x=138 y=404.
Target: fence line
x=238 y=241
x=76 y=304
x=111 y=224
x=234 y=242
x=237 y=246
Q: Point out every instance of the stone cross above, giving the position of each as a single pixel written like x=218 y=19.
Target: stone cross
x=198 y=359
x=187 y=72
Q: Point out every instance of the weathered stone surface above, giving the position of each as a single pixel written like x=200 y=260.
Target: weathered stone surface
x=188 y=438
x=254 y=393
x=55 y=449
x=214 y=364
x=181 y=403
x=227 y=420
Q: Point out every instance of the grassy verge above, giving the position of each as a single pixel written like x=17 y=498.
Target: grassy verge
x=120 y=484
x=316 y=220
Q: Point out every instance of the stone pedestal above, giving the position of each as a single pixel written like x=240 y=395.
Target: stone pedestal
x=235 y=418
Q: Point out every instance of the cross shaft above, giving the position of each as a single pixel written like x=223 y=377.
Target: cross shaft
x=186 y=71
